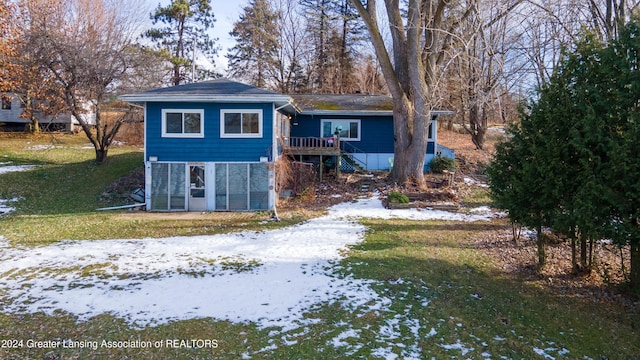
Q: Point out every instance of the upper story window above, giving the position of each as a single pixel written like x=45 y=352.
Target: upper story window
x=182 y=123
x=6 y=103
x=348 y=129
x=241 y=123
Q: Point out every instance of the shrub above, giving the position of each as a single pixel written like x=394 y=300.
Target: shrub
x=440 y=163
x=396 y=197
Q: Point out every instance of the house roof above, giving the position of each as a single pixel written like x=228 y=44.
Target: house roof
x=357 y=104
x=223 y=90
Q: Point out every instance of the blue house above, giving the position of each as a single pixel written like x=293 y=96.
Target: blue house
x=364 y=124
x=212 y=146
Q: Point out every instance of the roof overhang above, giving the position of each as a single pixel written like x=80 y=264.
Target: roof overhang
x=365 y=112
x=279 y=100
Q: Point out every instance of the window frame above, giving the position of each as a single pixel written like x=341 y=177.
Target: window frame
x=225 y=135
x=6 y=103
x=182 y=134
x=358 y=121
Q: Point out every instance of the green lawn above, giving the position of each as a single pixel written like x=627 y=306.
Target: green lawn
x=439 y=297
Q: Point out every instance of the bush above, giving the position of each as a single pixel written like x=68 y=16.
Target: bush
x=396 y=197
x=440 y=163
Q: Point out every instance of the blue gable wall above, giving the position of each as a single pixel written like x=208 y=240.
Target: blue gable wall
x=376 y=137
x=211 y=147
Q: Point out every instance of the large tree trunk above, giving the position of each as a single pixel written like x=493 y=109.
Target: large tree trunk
x=101 y=155
x=410 y=142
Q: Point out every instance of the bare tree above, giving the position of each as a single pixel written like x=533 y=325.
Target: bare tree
x=421 y=46
x=83 y=45
x=484 y=65
x=290 y=75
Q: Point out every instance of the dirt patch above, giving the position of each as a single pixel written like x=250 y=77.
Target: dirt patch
x=469 y=160
x=604 y=283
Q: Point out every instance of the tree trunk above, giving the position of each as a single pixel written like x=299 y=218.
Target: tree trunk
x=35 y=127
x=542 y=256
x=583 y=253
x=101 y=155
x=410 y=142
x=574 y=254
x=635 y=265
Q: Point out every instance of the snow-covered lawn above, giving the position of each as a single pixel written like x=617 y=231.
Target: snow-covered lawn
x=270 y=278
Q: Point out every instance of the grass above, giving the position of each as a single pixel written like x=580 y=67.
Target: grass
x=446 y=298
x=58 y=199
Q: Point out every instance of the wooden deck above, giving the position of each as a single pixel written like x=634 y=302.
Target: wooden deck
x=312 y=146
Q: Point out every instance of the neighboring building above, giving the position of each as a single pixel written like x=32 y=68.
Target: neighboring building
x=211 y=146
x=12 y=107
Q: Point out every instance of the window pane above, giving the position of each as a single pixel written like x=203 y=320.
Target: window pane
x=174 y=123
x=232 y=123
x=192 y=123
x=196 y=174
x=354 y=130
x=177 y=180
x=238 y=187
x=221 y=186
x=250 y=123
x=6 y=103
x=159 y=186
x=327 y=131
x=258 y=187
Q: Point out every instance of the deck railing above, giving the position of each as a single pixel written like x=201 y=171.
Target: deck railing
x=312 y=143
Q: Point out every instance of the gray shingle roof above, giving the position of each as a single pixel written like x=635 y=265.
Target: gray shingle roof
x=212 y=90
x=212 y=87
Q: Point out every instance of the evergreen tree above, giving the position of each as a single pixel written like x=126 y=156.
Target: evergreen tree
x=184 y=33
x=254 y=58
x=572 y=162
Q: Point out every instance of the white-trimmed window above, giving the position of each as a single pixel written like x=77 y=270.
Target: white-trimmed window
x=182 y=123
x=348 y=129
x=241 y=123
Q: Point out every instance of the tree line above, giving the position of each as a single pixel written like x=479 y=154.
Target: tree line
x=479 y=58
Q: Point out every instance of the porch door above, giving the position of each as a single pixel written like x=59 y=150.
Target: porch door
x=197 y=189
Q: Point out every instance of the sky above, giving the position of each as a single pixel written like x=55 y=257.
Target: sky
x=226 y=13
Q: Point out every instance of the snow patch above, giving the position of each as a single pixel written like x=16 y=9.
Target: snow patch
x=5 y=208
x=15 y=168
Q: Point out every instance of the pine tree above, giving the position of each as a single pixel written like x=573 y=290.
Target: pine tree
x=254 y=57
x=184 y=34
x=336 y=31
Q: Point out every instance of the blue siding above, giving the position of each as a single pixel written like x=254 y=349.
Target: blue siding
x=211 y=147
x=376 y=137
